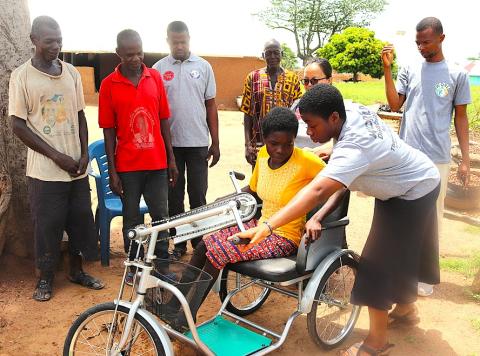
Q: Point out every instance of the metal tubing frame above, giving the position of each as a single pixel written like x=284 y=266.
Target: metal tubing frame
x=231 y=174
x=305 y=298
x=148 y=281
x=188 y=315
x=187 y=219
x=128 y=326
x=153 y=321
x=252 y=324
x=280 y=337
x=283 y=337
x=305 y=301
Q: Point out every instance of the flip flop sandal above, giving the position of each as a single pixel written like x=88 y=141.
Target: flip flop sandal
x=359 y=347
x=409 y=319
x=87 y=281
x=43 y=291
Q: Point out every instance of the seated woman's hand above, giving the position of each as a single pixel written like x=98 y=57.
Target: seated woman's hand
x=256 y=235
x=313 y=230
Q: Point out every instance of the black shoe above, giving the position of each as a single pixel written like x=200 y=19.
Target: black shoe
x=43 y=291
x=86 y=280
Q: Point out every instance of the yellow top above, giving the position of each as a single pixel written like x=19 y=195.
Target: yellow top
x=276 y=187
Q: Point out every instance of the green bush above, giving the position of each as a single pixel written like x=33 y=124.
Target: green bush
x=474 y=109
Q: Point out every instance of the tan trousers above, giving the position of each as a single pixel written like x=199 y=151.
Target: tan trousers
x=444 y=169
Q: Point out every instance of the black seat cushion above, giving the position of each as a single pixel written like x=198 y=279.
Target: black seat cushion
x=272 y=269
x=285 y=268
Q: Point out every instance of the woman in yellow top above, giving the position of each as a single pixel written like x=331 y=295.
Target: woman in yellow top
x=281 y=171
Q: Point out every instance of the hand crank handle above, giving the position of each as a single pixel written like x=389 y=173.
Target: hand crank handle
x=239 y=241
x=235 y=177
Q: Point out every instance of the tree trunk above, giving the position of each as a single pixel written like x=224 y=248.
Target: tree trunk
x=476 y=283
x=15 y=49
x=355 y=77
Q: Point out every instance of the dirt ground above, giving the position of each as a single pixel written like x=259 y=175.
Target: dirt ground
x=450 y=318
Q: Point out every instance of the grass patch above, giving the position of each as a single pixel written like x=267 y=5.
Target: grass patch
x=476 y=324
x=465 y=266
x=473 y=109
x=472 y=229
x=411 y=339
x=366 y=93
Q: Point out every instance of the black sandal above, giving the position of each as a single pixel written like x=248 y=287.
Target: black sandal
x=43 y=290
x=85 y=280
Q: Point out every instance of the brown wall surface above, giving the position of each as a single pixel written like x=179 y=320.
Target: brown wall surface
x=230 y=72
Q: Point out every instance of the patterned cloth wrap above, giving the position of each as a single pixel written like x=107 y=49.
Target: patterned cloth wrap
x=220 y=251
x=259 y=97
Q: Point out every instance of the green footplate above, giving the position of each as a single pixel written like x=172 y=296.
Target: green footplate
x=226 y=338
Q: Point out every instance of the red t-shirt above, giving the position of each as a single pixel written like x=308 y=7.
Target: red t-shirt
x=135 y=113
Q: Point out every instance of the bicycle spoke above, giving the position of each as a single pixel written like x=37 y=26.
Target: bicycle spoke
x=90 y=338
x=333 y=309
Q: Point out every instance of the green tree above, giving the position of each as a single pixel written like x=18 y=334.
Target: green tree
x=289 y=59
x=355 y=50
x=313 y=22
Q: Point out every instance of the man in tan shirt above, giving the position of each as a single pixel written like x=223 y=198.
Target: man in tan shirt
x=46 y=105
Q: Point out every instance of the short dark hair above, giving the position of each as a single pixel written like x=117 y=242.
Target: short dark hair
x=126 y=35
x=323 y=100
x=280 y=119
x=40 y=21
x=272 y=43
x=430 y=22
x=324 y=64
x=177 y=27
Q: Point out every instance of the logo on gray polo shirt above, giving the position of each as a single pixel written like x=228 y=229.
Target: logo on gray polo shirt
x=441 y=89
x=195 y=74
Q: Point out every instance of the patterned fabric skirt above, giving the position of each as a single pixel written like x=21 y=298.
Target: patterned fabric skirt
x=220 y=251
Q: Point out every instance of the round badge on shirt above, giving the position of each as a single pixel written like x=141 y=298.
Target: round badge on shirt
x=195 y=74
x=168 y=75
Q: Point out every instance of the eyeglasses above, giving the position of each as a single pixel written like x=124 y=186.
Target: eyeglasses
x=312 y=81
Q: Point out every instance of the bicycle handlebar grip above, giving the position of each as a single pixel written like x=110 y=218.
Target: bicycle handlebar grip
x=239 y=241
x=238 y=175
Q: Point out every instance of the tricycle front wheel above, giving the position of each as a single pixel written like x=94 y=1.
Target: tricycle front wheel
x=89 y=334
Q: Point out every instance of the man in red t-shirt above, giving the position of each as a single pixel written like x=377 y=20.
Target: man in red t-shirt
x=133 y=112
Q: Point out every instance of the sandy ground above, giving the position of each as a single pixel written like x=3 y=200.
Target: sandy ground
x=450 y=319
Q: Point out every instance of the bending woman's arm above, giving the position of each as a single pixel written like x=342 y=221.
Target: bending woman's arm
x=318 y=191
x=313 y=227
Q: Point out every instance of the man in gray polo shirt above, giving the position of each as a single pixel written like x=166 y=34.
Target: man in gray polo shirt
x=190 y=85
x=432 y=91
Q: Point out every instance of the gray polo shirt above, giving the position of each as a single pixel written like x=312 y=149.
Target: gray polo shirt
x=432 y=91
x=370 y=157
x=188 y=85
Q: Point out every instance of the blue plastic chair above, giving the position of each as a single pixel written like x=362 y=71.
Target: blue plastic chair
x=109 y=204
